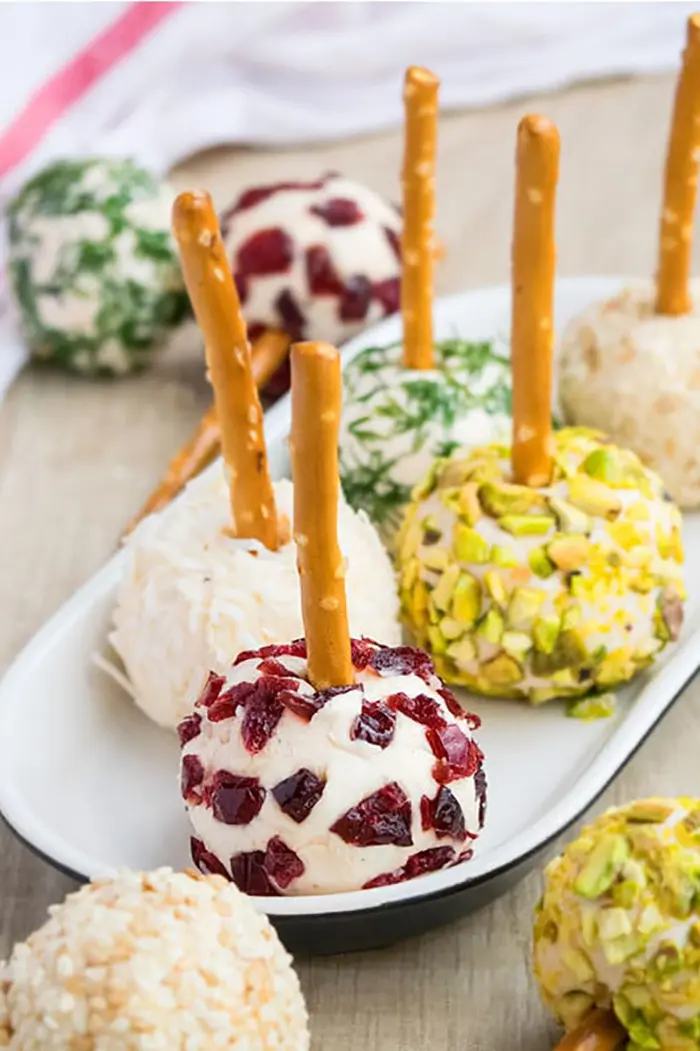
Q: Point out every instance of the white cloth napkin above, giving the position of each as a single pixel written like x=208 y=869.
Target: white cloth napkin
x=160 y=81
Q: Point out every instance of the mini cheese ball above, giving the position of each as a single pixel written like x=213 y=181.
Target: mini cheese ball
x=397 y=420
x=292 y=789
x=193 y=596
x=161 y=960
x=542 y=592
x=618 y=926
x=631 y=365
x=318 y=258
x=93 y=266
x=636 y=374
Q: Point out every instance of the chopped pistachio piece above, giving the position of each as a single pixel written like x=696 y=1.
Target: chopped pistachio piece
x=442 y=593
x=470 y=546
x=502 y=671
x=505 y=499
x=539 y=563
x=570 y=519
x=545 y=632
x=527 y=525
x=463 y=652
x=588 y=709
x=525 y=603
x=602 y=866
x=568 y=552
x=604 y=464
x=593 y=497
x=495 y=587
x=465 y=605
x=516 y=643
x=491 y=627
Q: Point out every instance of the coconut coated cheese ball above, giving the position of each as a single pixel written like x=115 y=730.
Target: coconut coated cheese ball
x=618 y=925
x=318 y=259
x=193 y=596
x=159 y=960
x=93 y=267
x=397 y=421
x=636 y=374
x=293 y=790
x=541 y=593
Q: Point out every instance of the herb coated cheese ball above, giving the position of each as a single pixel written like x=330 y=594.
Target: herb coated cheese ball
x=157 y=960
x=636 y=374
x=396 y=421
x=93 y=267
x=618 y=925
x=541 y=593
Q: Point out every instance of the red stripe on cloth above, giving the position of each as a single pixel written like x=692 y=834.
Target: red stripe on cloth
x=67 y=86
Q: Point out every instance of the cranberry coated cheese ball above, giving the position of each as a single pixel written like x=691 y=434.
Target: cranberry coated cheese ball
x=318 y=259
x=538 y=593
x=618 y=926
x=156 y=961
x=636 y=375
x=293 y=790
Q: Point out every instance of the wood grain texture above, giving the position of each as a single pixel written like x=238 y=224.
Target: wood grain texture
x=77 y=459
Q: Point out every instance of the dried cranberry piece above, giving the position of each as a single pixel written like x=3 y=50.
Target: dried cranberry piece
x=234 y=800
x=393 y=239
x=298 y=794
x=321 y=275
x=388 y=293
x=375 y=724
x=286 y=649
x=429 y=861
x=205 y=861
x=481 y=786
x=417 y=865
x=444 y=815
x=211 y=690
x=271 y=666
x=361 y=652
x=383 y=817
x=269 y=251
x=356 y=298
x=387 y=879
x=263 y=711
x=422 y=709
x=281 y=863
x=293 y=318
x=402 y=660
x=457 y=756
x=249 y=875
x=191 y=777
x=306 y=706
x=257 y=194
x=242 y=289
x=189 y=728
x=451 y=703
x=227 y=704
x=338 y=211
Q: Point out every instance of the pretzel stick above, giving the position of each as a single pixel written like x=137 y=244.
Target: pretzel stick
x=599 y=1031
x=417 y=245
x=316 y=403
x=680 y=184
x=217 y=309
x=532 y=329
x=204 y=444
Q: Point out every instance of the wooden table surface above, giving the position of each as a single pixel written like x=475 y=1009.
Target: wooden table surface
x=77 y=458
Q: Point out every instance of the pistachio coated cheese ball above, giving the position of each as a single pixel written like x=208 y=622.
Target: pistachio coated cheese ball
x=93 y=265
x=542 y=593
x=618 y=925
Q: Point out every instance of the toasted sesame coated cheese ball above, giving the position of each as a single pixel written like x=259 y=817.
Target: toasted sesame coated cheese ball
x=636 y=374
x=160 y=961
x=541 y=593
x=618 y=924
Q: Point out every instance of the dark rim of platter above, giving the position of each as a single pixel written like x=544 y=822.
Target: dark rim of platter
x=290 y=918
